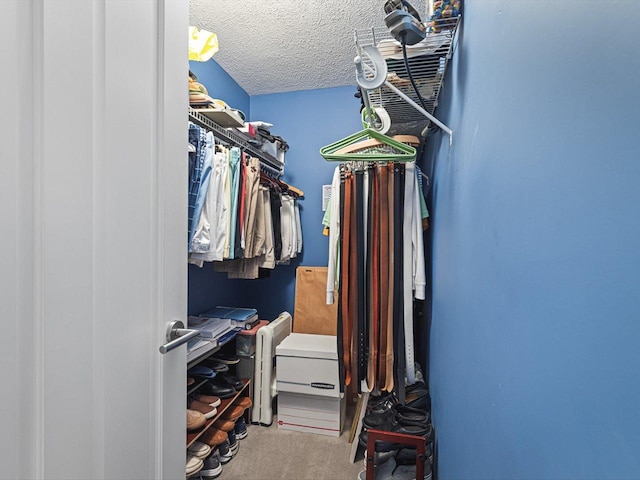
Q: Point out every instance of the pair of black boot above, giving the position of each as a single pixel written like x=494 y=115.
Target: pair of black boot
x=385 y=413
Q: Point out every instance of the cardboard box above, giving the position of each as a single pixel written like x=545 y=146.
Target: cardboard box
x=311 y=313
x=307 y=363
x=310 y=413
x=309 y=398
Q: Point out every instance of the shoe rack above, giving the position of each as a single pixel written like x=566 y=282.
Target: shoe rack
x=192 y=436
x=417 y=442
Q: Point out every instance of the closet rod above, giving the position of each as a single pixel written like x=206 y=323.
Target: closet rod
x=235 y=139
x=270 y=171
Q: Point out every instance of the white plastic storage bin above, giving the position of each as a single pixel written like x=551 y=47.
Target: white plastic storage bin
x=309 y=398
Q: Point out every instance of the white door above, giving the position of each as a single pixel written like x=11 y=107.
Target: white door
x=93 y=136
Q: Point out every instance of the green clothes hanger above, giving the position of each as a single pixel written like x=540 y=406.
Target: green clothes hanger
x=368 y=146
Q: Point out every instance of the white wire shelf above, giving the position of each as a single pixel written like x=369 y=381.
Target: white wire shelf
x=269 y=164
x=427 y=60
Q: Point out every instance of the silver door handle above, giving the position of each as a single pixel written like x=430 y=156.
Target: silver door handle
x=177 y=335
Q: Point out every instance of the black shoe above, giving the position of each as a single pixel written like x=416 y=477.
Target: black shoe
x=221 y=390
x=240 y=429
x=395 y=427
x=419 y=384
x=379 y=458
x=407 y=455
x=227 y=358
x=232 y=380
x=418 y=397
x=224 y=452
x=212 y=468
x=234 y=445
x=377 y=421
x=381 y=446
x=402 y=414
x=411 y=416
x=383 y=403
x=405 y=469
x=216 y=366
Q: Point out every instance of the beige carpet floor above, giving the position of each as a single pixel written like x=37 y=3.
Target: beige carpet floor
x=269 y=453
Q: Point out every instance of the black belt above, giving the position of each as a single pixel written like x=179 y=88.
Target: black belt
x=398 y=280
x=361 y=288
x=374 y=277
x=384 y=274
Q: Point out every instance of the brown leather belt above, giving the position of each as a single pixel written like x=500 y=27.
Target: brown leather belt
x=388 y=384
x=353 y=280
x=371 y=297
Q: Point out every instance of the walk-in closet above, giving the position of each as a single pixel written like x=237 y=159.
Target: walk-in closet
x=347 y=239
x=340 y=346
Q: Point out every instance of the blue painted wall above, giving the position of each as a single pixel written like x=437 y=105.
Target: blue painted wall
x=221 y=85
x=307 y=121
x=536 y=265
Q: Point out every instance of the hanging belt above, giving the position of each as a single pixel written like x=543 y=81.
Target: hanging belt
x=353 y=285
x=388 y=385
x=383 y=254
x=361 y=285
x=341 y=291
x=374 y=278
x=346 y=278
x=408 y=221
x=368 y=280
x=398 y=300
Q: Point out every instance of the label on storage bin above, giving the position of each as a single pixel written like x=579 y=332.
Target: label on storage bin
x=323 y=386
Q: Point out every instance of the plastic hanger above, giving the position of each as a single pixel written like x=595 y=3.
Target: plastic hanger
x=388 y=150
x=372 y=142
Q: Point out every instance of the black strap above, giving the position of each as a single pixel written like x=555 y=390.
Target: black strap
x=398 y=281
x=276 y=203
x=361 y=288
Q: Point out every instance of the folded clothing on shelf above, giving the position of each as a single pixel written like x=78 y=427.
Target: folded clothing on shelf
x=392 y=49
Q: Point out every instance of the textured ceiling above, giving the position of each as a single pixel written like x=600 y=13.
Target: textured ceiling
x=284 y=45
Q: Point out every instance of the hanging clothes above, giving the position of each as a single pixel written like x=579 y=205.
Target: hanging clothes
x=268 y=260
x=200 y=164
x=209 y=244
x=239 y=217
x=234 y=183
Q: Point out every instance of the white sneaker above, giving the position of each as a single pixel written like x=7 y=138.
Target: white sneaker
x=194 y=465
x=199 y=449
